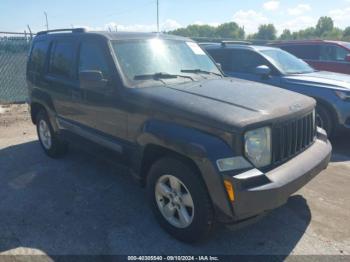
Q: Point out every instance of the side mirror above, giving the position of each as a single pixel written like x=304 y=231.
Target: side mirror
x=219 y=66
x=92 y=79
x=264 y=71
x=347 y=58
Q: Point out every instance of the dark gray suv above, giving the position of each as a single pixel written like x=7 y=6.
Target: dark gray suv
x=208 y=149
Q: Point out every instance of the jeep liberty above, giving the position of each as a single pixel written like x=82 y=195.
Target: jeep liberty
x=208 y=149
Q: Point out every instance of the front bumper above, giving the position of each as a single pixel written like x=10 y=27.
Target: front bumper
x=257 y=193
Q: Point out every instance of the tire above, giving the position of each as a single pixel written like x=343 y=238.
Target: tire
x=53 y=146
x=200 y=219
x=324 y=119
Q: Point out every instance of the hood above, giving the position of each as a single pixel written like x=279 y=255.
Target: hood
x=232 y=102
x=321 y=79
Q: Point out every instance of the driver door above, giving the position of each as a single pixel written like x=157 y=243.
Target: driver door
x=243 y=64
x=102 y=108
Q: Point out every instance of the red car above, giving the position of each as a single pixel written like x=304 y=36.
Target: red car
x=322 y=55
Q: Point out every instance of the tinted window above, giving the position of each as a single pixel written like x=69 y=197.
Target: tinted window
x=333 y=53
x=243 y=61
x=309 y=52
x=92 y=57
x=37 y=59
x=221 y=56
x=62 y=59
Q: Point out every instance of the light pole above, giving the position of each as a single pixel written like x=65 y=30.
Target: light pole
x=47 y=21
x=158 y=16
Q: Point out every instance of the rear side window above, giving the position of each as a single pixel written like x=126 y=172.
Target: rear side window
x=333 y=53
x=62 y=59
x=308 y=52
x=38 y=56
x=92 y=57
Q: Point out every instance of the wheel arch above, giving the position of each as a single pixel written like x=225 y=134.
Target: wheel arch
x=35 y=108
x=198 y=149
x=330 y=108
x=154 y=152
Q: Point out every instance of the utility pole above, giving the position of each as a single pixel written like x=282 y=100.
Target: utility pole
x=47 y=21
x=158 y=16
x=30 y=31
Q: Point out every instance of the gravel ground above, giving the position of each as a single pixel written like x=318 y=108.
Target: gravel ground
x=87 y=204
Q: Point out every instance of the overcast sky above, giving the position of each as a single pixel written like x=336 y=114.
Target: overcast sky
x=140 y=15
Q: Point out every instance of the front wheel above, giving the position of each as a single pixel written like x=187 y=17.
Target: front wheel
x=180 y=200
x=324 y=119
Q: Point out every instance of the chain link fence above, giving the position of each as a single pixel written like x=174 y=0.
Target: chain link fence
x=14 y=48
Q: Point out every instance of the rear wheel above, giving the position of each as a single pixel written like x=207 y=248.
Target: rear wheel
x=324 y=119
x=53 y=146
x=179 y=200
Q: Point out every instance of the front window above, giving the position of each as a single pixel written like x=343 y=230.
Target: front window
x=168 y=59
x=287 y=63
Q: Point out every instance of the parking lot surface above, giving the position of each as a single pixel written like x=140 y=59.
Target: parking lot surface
x=87 y=204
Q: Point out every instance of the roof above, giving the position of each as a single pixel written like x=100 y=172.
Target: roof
x=237 y=46
x=136 y=35
x=109 y=35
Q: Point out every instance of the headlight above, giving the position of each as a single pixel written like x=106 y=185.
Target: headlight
x=258 y=146
x=343 y=95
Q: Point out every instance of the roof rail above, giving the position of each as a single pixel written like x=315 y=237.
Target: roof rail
x=208 y=43
x=72 y=30
x=224 y=43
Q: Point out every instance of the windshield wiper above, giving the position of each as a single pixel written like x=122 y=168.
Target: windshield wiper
x=200 y=71
x=160 y=75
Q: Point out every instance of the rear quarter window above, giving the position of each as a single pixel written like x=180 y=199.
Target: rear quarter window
x=38 y=56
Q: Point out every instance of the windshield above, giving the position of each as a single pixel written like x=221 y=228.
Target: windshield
x=168 y=60
x=286 y=62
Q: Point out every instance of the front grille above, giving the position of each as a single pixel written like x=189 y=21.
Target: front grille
x=292 y=137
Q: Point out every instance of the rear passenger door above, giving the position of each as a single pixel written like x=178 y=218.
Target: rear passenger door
x=61 y=79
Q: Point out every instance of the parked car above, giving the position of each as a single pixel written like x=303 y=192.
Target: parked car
x=209 y=149
x=322 y=55
x=276 y=67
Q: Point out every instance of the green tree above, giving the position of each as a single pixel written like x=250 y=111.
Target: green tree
x=195 y=31
x=266 y=32
x=226 y=30
x=308 y=33
x=335 y=34
x=346 y=34
x=325 y=24
x=230 y=30
x=286 y=35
